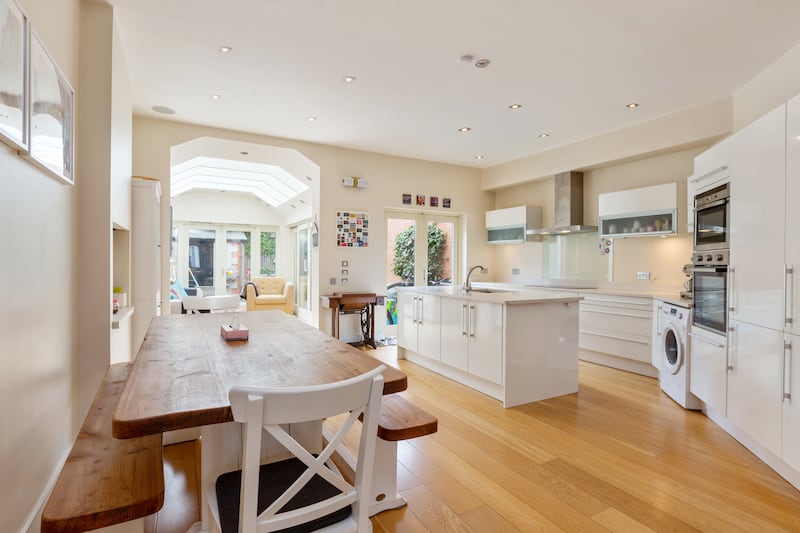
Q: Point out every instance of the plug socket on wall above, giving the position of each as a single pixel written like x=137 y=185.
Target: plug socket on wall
x=514 y=271
x=643 y=275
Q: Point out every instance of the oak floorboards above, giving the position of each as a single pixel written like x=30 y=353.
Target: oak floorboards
x=619 y=456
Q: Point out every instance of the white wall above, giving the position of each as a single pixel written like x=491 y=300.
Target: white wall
x=774 y=85
x=38 y=307
x=389 y=177
x=223 y=208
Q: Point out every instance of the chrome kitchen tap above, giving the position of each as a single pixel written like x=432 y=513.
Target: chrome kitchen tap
x=468 y=283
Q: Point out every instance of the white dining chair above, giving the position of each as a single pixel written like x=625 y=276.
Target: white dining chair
x=306 y=492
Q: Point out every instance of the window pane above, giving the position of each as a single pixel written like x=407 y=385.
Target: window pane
x=268 y=239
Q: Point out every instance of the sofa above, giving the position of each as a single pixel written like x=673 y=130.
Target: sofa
x=270 y=292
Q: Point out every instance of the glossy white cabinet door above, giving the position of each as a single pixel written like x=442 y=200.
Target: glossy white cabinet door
x=712 y=167
x=708 y=375
x=757 y=221
x=754 y=383
x=486 y=340
x=407 y=320
x=792 y=254
x=455 y=339
x=791 y=404
x=428 y=324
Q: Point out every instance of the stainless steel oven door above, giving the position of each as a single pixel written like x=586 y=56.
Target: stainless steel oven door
x=710 y=298
x=711 y=223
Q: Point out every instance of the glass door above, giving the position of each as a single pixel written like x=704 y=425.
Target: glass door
x=201 y=258
x=237 y=260
x=302 y=270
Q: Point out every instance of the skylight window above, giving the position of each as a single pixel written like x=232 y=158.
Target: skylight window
x=269 y=183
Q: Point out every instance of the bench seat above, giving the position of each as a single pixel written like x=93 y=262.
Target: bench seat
x=106 y=481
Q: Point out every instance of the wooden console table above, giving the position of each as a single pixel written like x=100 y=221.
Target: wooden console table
x=343 y=303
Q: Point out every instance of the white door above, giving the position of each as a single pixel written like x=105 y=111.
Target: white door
x=708 y=378
x=455 y=340
x=754 y=382
x=792 y=255
x=486 y=340
x=757 y=221
x=791 y=401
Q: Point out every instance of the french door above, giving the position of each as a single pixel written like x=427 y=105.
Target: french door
x=301 y=235
x=422 y=249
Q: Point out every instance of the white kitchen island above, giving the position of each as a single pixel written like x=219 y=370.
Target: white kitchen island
x=518 y=346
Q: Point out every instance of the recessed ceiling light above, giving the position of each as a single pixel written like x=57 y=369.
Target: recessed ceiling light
x=515 y=106
x=309 y=178
x=482 y=63
x=311 y=119
x=164 y=110
x=225 y=49
x=544 y=135
x=349 y=79
x=632 y=105
x=464 y=129
x=478 y=156
x=245 y=153
x=216 y=96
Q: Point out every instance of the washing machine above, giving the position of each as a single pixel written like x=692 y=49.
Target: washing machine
x=674 y=372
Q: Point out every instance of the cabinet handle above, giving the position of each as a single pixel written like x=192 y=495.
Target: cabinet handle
x=421 y=307
x=788 y=295
x=712 y=343
x=472 y=321
x=731 y=272
x=709 y=173
x=786 y=371
x=463 y=320
x=729 y=353
x=414 y=310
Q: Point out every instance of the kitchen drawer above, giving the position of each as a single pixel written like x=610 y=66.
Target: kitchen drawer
x=616 y=319
x=625 y=302
x=629 y=347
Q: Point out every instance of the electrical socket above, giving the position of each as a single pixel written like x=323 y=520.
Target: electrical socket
x=333 y=281
x=515 y=271
x=643 y=275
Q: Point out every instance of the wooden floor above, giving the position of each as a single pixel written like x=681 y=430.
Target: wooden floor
x=617 y=456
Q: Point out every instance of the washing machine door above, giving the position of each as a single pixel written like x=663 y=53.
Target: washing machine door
x=672 y=349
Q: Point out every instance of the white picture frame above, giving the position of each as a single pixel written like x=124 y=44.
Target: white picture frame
x=14 y=62
x=52 y=114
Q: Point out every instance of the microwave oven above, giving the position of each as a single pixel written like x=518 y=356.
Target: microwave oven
x=712 y=219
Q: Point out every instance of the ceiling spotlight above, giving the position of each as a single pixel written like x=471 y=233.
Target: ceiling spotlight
x=164 y=110
x=632 y=105
x=464 y=129
x=515 y=106
x=465 y=59
x=478 y=156
x=225 y=49
x=216 y=96
x=311 y=119
x=245 y=153
x=482 y=63
x=544 y=135
x=349 y=79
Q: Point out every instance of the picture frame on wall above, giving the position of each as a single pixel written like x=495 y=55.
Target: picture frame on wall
x=14 y=41
x=51 y=129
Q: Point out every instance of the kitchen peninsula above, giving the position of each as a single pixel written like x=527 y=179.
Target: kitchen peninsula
x=517 y=346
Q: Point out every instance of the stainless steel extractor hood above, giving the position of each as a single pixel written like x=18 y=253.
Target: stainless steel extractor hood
x=568 y=211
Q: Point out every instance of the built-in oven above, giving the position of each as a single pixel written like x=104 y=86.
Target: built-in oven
x=710 y=290
x=712 y=218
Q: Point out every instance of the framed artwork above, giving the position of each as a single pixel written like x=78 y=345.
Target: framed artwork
x=433 y=201
x=51 y=114
x=406 y=199
x=446 y=203
x=352 y=230
x=14 y=31
x=420 y=199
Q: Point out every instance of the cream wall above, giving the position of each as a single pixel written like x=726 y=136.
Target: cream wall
x=223 y=208
x=389 y=177
x=774 y=85
x=38 y=307
x=664 y=258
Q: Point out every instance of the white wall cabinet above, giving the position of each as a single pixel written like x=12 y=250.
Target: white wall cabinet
x=639 y=212
x=145 y=257
x=709 y=366
x=792 y=242
x=419 y=323
x=756 y=275
x=712 y=167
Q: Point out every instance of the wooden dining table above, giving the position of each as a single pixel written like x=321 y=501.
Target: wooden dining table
x=184 y=369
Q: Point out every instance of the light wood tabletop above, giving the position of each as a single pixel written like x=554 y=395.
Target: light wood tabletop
x=184 y=368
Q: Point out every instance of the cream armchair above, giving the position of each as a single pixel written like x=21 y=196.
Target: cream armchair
x=265 y=293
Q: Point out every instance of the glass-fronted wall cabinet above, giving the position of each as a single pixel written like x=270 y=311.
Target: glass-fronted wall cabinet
x=639 y=212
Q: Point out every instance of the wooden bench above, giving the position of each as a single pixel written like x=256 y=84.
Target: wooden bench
x=106 y=481
x=400 y=420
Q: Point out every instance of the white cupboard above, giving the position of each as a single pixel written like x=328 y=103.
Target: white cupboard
x=419 y=323
x=455 y=333
x=708 y=376
x=145 y=257
x=471 y=339
x=791 y=401
x=712 y=167
x=792 y=240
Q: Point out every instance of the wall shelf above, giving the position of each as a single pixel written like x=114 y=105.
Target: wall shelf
x=120 y=316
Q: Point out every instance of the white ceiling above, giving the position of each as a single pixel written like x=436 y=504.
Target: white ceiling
x=572 y=64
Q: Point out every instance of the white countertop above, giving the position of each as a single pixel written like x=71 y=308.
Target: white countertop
x=505 y=295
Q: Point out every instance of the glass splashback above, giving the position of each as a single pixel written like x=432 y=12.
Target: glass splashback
x=577 y=256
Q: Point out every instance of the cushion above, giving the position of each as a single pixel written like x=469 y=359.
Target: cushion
x=273 y=480
x=270 y=299
x=178 y=286
x=269 y=285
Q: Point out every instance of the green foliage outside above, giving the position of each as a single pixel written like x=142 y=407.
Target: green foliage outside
x=267 y=251
x=403 y=265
